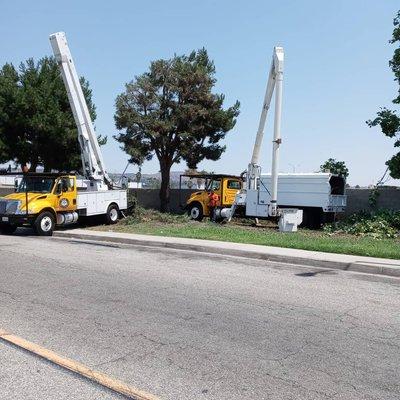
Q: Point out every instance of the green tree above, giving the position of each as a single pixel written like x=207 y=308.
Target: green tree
x=8 y=96
x=335 y=167
x=389 y=120
x=170 y=111
x=36 y=122
x=3 y=149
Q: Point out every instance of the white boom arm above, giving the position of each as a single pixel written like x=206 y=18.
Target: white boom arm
x=92 y=158
x=275 y=80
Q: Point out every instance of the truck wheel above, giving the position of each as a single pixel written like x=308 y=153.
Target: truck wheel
x=44 y=224
x=112 y=214
x=8 y=229
x=195 y=212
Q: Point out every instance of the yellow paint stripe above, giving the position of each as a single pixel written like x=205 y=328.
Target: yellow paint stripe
x=80 y=369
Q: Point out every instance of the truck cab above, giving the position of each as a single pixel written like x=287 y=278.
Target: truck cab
x=40 y=201
x=225 y=186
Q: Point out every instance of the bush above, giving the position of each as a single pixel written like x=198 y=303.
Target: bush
x=380 y=224
x=140 y=214
x=132 y=202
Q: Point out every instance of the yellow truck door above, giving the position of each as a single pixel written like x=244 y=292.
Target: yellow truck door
x=230 y=187
x=66 y=200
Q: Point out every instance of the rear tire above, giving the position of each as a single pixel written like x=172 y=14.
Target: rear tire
x=195 y=212
x=44 y=224
x=112 y=215
x=8 y=229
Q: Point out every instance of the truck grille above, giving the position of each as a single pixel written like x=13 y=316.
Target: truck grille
x=8 y=206
x=3 y=204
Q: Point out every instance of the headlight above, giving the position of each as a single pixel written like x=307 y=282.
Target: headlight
x=13 y=207
x=19 y=211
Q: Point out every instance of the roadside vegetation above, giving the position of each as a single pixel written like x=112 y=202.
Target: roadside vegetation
x=375 y=235
x=381 y=224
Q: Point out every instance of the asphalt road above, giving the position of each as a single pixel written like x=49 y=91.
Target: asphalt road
x=183 y=325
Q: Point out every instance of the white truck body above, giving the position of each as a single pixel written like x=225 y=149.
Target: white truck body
x=97 y=202
x=317 y=190
x=318 y=195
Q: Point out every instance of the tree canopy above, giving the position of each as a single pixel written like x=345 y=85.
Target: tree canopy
x=171 y=112
x=335 y=167
x=36 y=122
x=389 y=120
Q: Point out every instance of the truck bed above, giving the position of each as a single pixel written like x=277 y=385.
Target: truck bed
x=94 y=203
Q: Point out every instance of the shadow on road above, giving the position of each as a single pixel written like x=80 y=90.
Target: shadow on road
x=314 y=273
x=83 y=223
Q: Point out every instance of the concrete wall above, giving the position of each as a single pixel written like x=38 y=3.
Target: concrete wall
x=358 y=199
x=149 y=198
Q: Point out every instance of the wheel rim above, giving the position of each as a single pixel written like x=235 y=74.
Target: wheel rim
x=113 y=214
x=46 y=224
x=194 y=212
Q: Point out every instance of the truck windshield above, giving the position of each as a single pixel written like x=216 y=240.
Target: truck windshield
x=212 y=184
x=36 y=185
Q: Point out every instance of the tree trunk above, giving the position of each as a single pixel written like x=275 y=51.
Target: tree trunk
x=164 y=190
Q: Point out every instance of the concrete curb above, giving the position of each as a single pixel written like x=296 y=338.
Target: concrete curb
x=370 y=267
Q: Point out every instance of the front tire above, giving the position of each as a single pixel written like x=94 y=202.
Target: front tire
x=195 y=212
x=44 y=224
x=8 y=229
x=112 y=214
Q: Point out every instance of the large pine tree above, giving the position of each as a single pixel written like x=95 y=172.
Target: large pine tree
x=171 y=112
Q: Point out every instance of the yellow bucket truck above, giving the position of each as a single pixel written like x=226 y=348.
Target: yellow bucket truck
x=44 y=200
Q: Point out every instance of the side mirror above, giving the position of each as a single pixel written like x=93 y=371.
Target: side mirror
x=59 y=188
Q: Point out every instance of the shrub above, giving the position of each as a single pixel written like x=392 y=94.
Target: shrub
x=380 y=224
x=141 y=214
x=132 y=202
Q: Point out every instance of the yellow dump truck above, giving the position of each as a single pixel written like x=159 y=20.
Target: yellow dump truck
x=225 y=186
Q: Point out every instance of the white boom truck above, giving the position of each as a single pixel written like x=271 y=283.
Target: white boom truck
x=261 y=203
x=100 y=190
x=44 y=200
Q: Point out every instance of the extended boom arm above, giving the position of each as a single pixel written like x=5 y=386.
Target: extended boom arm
x=92 y=159
x=275 y=79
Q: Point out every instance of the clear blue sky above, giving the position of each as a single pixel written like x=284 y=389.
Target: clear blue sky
x=336 y=71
